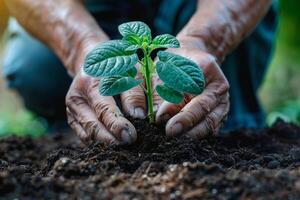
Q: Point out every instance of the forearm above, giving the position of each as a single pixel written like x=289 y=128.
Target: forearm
x=65 y=26
x=219 y=26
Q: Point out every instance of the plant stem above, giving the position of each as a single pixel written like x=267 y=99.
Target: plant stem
x=149 y=92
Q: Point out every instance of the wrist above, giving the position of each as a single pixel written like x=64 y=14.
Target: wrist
x=216 y=36
x=76 y=59
x=199 y=44
x=65 y=26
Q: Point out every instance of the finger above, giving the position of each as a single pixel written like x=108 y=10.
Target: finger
x=76 y=127
x=134 y=101
x=88 y=128
x=195 y=111
x=211 y=124
x=157 y=100
x=167 y=110
x=110 y=115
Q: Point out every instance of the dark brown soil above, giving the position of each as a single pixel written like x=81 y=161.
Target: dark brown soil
x=249 y=164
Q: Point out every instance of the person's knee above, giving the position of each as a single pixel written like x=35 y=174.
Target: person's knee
x=36 y=74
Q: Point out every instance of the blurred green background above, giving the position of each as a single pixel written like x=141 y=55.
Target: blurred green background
x=280 y=94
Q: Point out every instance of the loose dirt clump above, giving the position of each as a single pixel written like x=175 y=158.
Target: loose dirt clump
x=248 y=164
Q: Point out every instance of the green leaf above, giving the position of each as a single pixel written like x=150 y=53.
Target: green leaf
x=133 y=42
x=180 y=73
x=169 y=94
x=132 y=48
x=165 y=41
x=132 y=72
x=111 y=86
x=110 y=59
x=135 y=30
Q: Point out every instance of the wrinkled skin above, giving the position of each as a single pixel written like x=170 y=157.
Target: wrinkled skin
x=101 y=119
x=95 y=117
x=200 y=115
x=71 y=32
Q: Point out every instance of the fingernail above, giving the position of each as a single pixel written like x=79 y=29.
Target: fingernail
x=126 y=136
x=155 y=108
x=139 y=113
x=176 y=129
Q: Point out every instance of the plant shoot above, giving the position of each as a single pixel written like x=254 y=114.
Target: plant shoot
x=115 y=63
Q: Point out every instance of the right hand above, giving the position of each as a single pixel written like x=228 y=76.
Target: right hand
x=94 y=117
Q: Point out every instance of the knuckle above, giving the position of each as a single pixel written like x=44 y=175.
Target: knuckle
x=91 y=128
x=191 y=118
x=202 y=105
x=222 y=88
x=106 y=112
x=205 y=107
x=210 y=123
x=74 y=100
x=224 y=102
x=134 y=98
x=91 y=125
x=92 y=85
x=101 y=107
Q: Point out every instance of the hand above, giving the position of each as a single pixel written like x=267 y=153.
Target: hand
x=202 y=115
x=97 y=118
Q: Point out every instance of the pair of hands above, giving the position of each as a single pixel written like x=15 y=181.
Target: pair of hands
x=95 y=117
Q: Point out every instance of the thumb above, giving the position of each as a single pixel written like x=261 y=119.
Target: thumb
x=134 y=101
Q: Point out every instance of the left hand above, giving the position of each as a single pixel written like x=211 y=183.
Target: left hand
x=202 y=115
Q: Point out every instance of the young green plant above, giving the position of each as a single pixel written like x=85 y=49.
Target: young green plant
x=115 y=63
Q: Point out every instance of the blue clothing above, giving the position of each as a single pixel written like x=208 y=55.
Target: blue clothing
x=40 y=78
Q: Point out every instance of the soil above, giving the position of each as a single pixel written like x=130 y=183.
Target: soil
x=248 y=164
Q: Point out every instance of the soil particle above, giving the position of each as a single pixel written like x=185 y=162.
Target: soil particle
x=295 y=153
x=248 y=164
x=273 y=164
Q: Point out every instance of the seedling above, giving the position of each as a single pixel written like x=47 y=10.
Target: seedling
x=115 y=63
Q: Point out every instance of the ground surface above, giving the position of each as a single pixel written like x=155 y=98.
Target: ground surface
x=242 y=166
